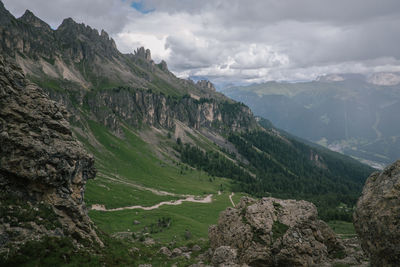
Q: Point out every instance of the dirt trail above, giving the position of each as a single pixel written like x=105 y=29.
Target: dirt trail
x=207 y=199
x=230 y=198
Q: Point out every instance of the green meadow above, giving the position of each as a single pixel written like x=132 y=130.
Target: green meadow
x=128 y=171
x=131 y=174
x=194 y=218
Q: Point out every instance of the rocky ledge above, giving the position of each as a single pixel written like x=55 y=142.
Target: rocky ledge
x=377 y=217
x=43 y=169
x=272 y=232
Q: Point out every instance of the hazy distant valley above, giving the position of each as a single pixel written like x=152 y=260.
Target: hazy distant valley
x=350 y=113
x=109 y=159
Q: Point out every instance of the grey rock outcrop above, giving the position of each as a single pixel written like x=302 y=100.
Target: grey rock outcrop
x=206 y=85
x=377 y=217
x=176 y=252
x=163 y=66
x=43 y=169
x=273 y=232
x=196 y=248
x=165 y=251
x=224 y=255
x=143 y=53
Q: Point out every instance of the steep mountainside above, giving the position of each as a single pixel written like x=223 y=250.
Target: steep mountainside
x=169 y=152
x=77 y=56
x=347 y=113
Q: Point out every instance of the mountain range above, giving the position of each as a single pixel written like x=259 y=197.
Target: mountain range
x=349 y=113
x=169 y=152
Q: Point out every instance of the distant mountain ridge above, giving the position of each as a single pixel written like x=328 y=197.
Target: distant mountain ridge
x=159 y=138
x=377 y=78
x=350 y=113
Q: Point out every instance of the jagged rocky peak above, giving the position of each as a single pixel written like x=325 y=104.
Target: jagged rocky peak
x=71 y=26
x=104 y=34
x=91 y=42
x=43 y=169
x=377 y=216
x=205 y=84
x=107 y=38
x=30 y=18
x=163 y=65
x=67 y=23
x=143 y=53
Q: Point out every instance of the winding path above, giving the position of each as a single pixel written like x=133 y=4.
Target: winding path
x=230 y=198
x=188 y=198
x=207 y=199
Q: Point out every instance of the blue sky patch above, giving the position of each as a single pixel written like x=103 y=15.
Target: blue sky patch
x=139 y=6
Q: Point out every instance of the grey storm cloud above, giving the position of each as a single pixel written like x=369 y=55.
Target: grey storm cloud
x=244 y=41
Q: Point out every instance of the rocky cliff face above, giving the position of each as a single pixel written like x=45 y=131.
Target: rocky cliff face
x=272 y=232
x=377 y=217
x=43 y=169
x=33 y=37
x=75 y=58
x=139 y=107
x=17 y=34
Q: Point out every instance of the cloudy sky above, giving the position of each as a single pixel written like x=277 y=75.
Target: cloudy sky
x=243 y=41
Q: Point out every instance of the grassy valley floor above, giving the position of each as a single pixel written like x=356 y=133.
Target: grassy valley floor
x=130 y=174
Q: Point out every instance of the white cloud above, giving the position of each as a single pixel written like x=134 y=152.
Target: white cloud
x=128 y=41
x=245 y=41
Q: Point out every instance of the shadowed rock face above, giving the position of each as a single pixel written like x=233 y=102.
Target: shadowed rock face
x=272 y=232
x=43 y=169
x=377 y=217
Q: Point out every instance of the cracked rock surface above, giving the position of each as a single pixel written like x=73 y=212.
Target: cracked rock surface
x=377 y=217
x=272 y=232
x=43 y=169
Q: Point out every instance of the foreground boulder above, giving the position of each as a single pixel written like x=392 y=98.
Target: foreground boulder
x=272 y=232
x=377 y=217
x=43 y=169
